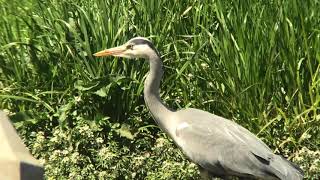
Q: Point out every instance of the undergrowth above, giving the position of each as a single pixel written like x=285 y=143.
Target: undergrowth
x=255 y=62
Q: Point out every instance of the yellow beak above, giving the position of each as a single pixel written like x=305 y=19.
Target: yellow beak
x=116 y=51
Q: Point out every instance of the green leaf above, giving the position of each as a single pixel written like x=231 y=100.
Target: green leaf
x=103 y=92
x=124 y=131
x=81 y=87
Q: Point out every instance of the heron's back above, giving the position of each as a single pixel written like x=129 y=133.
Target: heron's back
x=225 y=148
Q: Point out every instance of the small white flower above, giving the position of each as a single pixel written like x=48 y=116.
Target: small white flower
x=314 y=168
x=65 y=152
x=160 y=142
x=56 y=132
x=42 y=161
x=56 y=153
x=84 y=128
x=133 y=175
x=204 y=65
x=65 y=159
x=54 y=140
x=99 y=140
x=75 y=157
x=102 y=174
x=33 y=134
x=77 y=98
x=72 y=175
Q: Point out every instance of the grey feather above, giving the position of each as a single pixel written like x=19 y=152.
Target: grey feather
x=225 y=148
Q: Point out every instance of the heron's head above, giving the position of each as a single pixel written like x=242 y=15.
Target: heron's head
x=138 y=47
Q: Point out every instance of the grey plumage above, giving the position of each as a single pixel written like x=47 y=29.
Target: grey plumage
x=224 y=148
x=219 y=146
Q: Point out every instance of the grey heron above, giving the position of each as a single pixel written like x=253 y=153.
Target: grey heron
x=220 y=147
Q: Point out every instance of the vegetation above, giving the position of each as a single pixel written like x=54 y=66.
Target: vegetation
x=255 y=62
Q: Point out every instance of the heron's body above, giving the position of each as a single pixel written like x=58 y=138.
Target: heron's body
x=219 y=146
x=224 y=148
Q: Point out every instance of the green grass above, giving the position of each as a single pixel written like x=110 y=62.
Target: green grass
x=255 y=62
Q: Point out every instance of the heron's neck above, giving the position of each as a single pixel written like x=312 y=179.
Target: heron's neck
x=159 y=111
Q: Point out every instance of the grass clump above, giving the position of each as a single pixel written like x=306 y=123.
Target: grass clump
x=256 y=62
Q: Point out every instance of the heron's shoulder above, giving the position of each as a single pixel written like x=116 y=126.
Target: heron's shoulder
x=196 y=115
x=201 y=123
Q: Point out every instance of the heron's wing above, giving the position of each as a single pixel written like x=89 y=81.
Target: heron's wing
x=220 y=144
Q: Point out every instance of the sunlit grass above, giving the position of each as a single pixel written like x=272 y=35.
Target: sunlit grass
x=256 y=62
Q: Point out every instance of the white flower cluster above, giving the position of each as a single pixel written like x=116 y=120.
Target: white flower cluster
x=308 y=159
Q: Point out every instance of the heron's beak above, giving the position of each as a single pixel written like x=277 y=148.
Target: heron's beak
x=116 y=51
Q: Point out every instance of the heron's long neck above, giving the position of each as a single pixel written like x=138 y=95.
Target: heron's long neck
x=159 y=111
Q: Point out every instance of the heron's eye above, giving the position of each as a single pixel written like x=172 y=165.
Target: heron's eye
x=130 y=46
